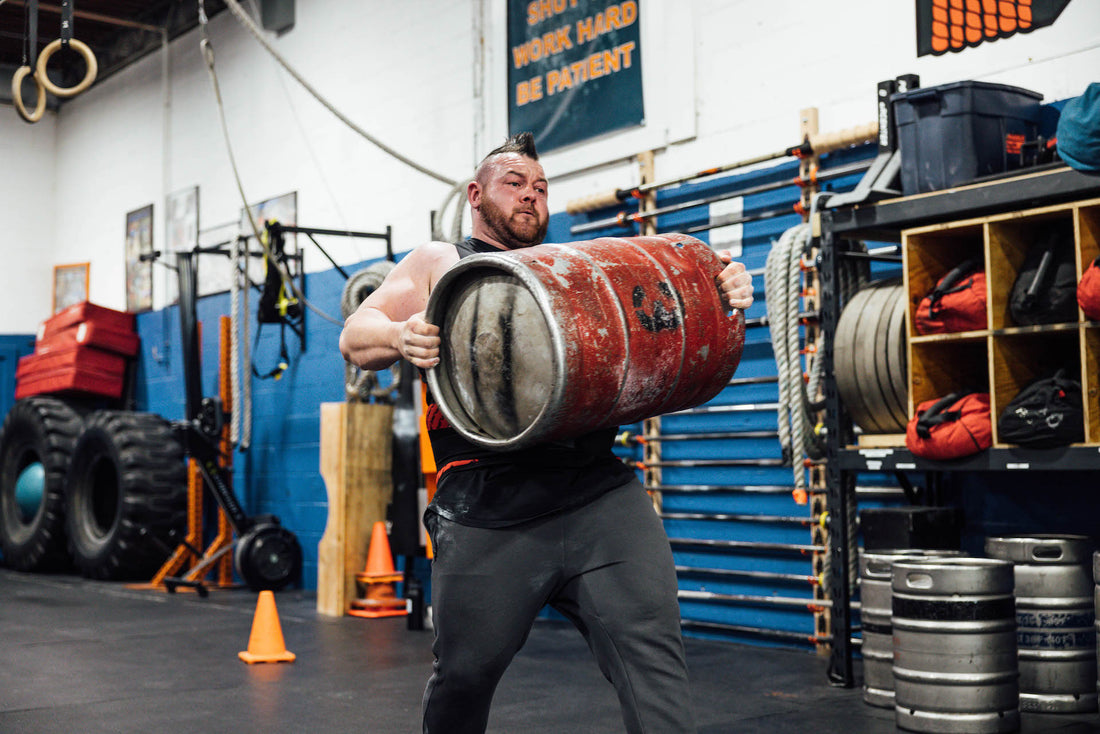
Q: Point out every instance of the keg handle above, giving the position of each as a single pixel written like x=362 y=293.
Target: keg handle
x=918 y=580
x=1052 y=552
x=881 y=568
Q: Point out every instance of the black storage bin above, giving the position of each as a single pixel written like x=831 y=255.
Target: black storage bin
x=954 y=133
x=929 y=528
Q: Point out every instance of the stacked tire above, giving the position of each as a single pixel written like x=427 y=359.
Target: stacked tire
x=103 y=492
x=36 y=448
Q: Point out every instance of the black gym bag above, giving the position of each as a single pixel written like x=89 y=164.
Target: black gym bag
x=1047 y=413
x=1045 y=291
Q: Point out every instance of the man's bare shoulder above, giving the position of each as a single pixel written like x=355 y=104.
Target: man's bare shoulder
x=431 y=259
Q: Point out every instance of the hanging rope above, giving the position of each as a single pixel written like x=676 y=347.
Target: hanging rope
x=783 y=291
x=246 y=349
x=252 y=28
x=240 y=427
x=776 y=301
x=208 y=56
x=235 y=343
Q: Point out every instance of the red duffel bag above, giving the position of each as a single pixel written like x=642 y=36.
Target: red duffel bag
x=1088 y=291
x=951 y=427
x=957 y=303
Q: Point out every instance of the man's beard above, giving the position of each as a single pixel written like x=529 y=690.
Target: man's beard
x=514 y=234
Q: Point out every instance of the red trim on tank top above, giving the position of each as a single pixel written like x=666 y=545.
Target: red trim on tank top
x=453 y=464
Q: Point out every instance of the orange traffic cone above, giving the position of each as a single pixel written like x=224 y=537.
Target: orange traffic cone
x=265 y=644
x=376 y=582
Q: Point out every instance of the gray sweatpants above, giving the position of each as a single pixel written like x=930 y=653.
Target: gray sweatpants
x=606 y=566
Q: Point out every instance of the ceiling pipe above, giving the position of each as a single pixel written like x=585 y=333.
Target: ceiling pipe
x=97 y=17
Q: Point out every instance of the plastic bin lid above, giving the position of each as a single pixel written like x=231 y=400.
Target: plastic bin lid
x=967 y=86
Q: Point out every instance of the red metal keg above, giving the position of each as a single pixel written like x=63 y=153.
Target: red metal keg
x=552 y=341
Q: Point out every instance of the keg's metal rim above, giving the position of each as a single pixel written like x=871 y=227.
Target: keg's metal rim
x=869 y=559
x=951 y=574
x=951 y=562
x=1022 y=548
x=442 y=389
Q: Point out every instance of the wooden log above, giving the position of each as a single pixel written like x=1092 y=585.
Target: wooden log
x=356 y=464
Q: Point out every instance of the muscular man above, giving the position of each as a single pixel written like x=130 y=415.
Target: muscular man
x=565 y=524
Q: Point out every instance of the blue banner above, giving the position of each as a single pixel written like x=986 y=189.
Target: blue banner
x=574 y=69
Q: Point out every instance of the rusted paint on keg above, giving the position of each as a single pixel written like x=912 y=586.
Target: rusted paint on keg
x=552 y=341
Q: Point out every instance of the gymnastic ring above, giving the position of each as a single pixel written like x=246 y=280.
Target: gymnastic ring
x=17 y=95
x=89 y=59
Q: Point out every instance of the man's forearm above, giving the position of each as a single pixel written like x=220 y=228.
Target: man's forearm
x=369 y=342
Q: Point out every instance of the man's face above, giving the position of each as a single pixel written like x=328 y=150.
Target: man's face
x=510 y=199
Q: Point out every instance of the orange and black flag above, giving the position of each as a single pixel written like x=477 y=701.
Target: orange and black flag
x=953 y=25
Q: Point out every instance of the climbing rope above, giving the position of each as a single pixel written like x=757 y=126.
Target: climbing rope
x=253 y=29
x=208 y=56
x=234 y=343
x=783 y=290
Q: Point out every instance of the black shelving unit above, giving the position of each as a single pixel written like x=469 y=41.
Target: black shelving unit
x=884 y=221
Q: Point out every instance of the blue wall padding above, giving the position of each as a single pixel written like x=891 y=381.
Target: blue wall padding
x=280 y=473
x=12 y=347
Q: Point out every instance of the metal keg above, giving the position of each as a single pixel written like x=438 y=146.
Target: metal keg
x=1055 y=620
x=877 y=650
x=954 y=624
x=1096 y=604
x=552 y=341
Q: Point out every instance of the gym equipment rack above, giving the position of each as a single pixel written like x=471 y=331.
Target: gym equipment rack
x=1040 y=186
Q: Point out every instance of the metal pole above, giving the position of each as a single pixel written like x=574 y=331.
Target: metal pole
x=750 y=545
x=624 y=219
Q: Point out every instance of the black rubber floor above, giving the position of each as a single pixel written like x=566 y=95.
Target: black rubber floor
x=88 y=657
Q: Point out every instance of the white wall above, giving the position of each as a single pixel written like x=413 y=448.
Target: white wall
x=28 y=212
x=725 y=80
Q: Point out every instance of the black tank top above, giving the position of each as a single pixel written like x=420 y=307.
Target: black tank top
x=484 y=488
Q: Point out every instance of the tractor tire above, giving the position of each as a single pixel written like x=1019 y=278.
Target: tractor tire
x=36 y=447
x=127 y=493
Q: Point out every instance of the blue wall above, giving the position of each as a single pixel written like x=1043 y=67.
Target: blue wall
x=280 y=474
x=795 y=570
x=12 y=347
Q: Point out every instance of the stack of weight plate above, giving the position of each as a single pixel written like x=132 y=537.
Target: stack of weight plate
x=869 y=358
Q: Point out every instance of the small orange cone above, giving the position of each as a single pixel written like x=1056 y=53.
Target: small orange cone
x=265 y=644
x=379 y=598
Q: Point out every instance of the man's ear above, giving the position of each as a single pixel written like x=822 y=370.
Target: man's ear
x=473 y=194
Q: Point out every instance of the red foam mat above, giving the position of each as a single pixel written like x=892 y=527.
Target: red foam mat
x=86 y=312
x=50 y=359
x=93 y=335
x=70 y=379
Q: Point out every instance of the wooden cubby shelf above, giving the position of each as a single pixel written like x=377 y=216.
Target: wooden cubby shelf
x=1006 y=356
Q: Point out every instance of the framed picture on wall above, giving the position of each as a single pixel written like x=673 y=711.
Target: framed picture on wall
x=181 y=234
x=139 y=273
x=70 y=285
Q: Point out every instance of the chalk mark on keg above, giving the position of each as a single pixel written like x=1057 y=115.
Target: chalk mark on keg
x=662 y=318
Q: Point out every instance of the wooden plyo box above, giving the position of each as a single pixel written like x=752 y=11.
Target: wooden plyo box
x=356 y=464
